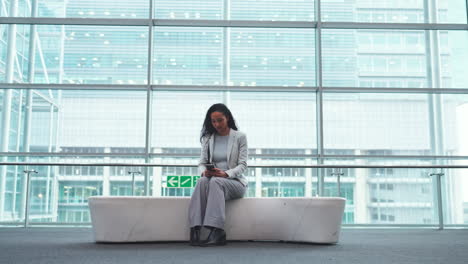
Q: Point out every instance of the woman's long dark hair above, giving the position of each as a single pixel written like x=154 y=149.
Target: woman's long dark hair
x=208 y=128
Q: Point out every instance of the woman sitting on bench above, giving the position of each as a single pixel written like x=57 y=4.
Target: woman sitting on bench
x=222 y=162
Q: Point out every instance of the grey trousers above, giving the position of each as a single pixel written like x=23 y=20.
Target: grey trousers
x=208 y=203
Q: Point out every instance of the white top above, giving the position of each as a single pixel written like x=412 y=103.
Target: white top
x=220 y=152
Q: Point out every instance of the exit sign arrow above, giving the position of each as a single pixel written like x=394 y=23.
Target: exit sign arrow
x=172 y=181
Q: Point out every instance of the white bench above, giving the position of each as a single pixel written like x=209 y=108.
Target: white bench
x=144 y=219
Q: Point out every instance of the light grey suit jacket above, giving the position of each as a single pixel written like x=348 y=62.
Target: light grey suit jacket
x=237 y=155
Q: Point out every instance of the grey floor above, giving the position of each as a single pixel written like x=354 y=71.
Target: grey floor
x=75 y=245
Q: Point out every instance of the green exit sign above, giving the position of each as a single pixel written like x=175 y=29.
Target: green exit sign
x=181 y=181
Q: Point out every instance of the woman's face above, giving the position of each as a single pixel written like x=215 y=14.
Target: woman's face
x=219 y=122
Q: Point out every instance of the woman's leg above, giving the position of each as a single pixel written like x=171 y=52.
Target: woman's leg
x=198 y=201
x=219 y=191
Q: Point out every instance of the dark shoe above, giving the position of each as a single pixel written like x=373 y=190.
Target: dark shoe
x=216 y=237
x=195 y=236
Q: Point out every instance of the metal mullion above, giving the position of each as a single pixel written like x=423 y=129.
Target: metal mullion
x=74 y=21
x=320 y=148
x=440 y=211
x=7 y=100
x=233 y=88
x=81 y=224
x=341 y=166
x=397 y=90
x=72 y=154
x=434 y=104
x=226 y=53
x=226 y=57
x=153 y=87
x=390 y=226
x=31 y=68
x=229 y=23
x=233 y=23
x=390 y=26
x=466 y=11
x=93 y=87
x=447 y=226
x=324 y=156
x=397 y=156
x=149 y=100
x=319 y=96
x=346 y=226
x=5 y=86
x=149 y=97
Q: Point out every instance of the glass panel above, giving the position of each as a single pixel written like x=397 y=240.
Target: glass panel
x=376 y=124
x=43 y=194
x=76 y=54
x=125 y=188
x=188 y=56
x=126 y=180
x=42 y=126
x=72 y=206
x=12 y=199
x=396 y=59
x=454 y=128
x=276 y=57
x=102 y=122
x=282 y=189
x=277 y=121
x=251 y=188
x=279 y=10
x=14 y=53
x=454 y=195
x=384 y=195
x=395 y=11
x=33 y=126
x=78 y=8
x=281 y=181
x=75 y=121
x=178 y=119
x=284 y=182
x=346 y=191
x=188 y=9
x=2 y=106
x=60 y=193
x=32 y=121
x=249 y=57
x=11 y=128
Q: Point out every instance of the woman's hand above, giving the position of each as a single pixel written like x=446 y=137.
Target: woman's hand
x=215 y=173
x=208 y=173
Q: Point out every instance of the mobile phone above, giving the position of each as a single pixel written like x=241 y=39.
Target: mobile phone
x=209 y=166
